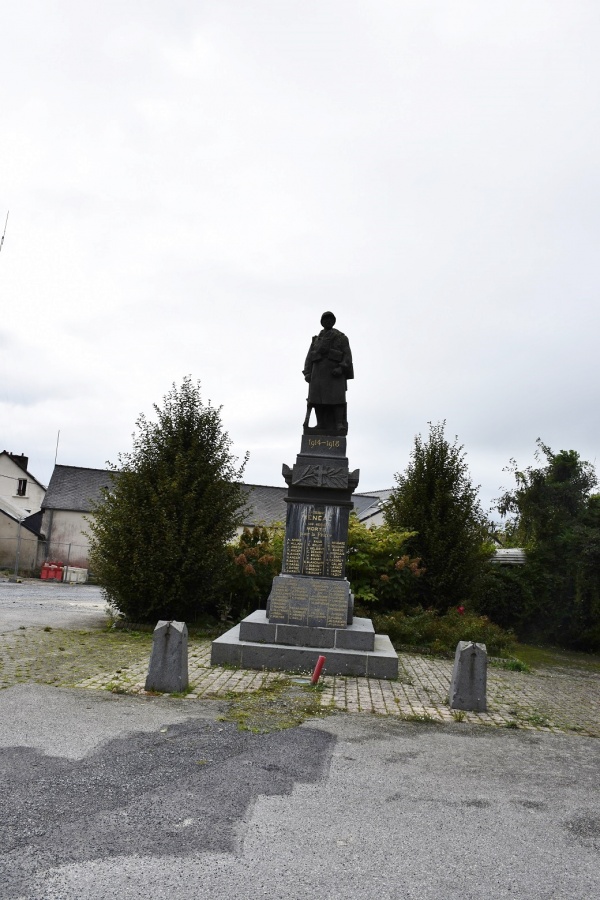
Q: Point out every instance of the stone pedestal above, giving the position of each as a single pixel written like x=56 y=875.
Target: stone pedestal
x=310 y=610
x=168 y=668
x=469 y=677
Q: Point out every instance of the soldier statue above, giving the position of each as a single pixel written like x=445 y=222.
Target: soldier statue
x=327 y=369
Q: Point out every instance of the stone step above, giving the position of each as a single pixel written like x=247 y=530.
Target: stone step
x=360 y=635
x=228 y=649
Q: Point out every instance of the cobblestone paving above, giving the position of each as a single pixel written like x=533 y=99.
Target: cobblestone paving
x=545 y=700
x=555 y=700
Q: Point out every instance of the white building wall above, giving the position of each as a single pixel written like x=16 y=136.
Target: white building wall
x=10 y=473
x=9 y=533
x=67 y=536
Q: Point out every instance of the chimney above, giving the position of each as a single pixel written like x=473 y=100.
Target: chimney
x=22 y=460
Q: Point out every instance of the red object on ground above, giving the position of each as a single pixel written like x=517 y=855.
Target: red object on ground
x=461 y=610
x=317 y=673
x=52 y=571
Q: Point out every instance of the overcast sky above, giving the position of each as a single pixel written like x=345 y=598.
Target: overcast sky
x=192 y=183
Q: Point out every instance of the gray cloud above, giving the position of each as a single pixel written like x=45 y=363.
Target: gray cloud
x=191 y=186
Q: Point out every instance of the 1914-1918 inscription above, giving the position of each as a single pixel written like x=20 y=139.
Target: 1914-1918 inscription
x=309 y=601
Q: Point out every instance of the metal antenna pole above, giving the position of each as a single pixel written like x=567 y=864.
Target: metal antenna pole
x=4 y=232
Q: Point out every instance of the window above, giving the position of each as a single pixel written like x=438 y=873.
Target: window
x=22 y=487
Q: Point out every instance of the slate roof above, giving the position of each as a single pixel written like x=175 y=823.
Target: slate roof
x=268 y=504
x=377 y=498
x=75 y=488
x=34 y=522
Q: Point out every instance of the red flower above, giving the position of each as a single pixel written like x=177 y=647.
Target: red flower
x=461 y=610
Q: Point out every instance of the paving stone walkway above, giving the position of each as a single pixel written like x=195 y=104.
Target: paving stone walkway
x=548 y=699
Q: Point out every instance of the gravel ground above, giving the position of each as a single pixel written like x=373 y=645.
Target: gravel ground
x=34 y=602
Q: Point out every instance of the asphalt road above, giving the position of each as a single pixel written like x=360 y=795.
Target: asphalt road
x=108 y=796
x=41 y=603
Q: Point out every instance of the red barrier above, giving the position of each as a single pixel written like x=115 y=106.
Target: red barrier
x=317 y=673
x=52 y=571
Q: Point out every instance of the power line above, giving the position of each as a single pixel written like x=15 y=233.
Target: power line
x=11 y=477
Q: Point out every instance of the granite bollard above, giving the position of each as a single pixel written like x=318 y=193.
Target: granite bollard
x=469 y=677
x=168 y=669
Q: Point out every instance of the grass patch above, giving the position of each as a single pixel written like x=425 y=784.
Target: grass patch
x=275 y=706
x=64 y=657
x=537 y=719
x=421 y=719
x=181 y=695
x=203 y=630
x=512 y=664
x=555 y=657
x=115 y=687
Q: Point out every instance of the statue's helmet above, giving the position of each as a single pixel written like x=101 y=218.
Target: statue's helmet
x=329 y=315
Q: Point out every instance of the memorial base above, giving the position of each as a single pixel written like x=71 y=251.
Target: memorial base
x=257 y=643
x=310 y=609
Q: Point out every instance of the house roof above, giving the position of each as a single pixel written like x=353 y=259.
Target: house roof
x=11 y=512
x=75 y=488
x=267 y=504
x=34 y=522
x=378 y=499
x=509 y=556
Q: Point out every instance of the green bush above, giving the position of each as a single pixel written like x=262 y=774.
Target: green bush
x=378 y=567
x=510 y=595
x=426 y=629
x=556 y=518
x=253 y=561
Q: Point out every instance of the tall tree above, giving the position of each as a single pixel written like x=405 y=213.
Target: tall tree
x=159 y=535
x=555 y=516
x=549 y=498
x=435 y=498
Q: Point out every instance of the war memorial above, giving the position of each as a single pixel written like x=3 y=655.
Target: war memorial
x=310 y=610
